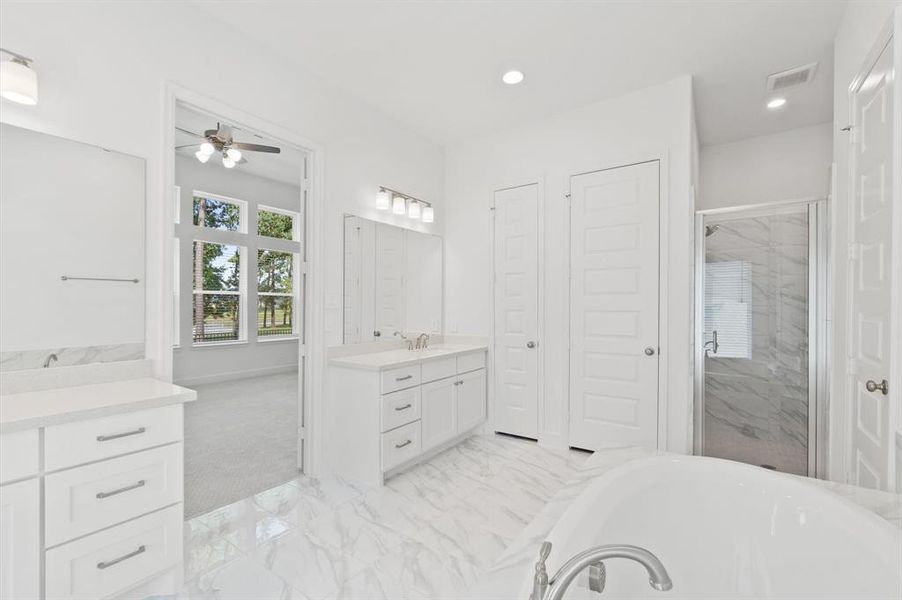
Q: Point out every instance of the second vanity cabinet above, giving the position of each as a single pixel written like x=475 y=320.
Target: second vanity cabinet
x=384 y=417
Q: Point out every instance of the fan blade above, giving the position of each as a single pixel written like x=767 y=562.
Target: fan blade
x=256 y=147
x=190 y=132
x=186 y=146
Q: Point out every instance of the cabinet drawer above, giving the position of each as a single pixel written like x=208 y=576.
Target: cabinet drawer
x=439 y=368
x=398 y=379
x=400 y=408
x=18 y=455
x=400 y=445
x=116 y=559
x=88 y=498
x=86 y=441
x=471 y=362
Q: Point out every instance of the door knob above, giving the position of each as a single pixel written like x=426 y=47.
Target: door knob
x=530 y=344
x=873 y=386
x=649 y=351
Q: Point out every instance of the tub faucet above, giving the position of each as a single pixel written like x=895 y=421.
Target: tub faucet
x=50 y=359
x=554 y=588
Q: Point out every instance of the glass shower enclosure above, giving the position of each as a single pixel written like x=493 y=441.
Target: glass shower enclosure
x=759 y=353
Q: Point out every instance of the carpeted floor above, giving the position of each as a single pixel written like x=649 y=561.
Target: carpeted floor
x=240 y=439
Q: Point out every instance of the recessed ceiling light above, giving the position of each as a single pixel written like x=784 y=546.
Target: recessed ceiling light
x=776 y=103
x=512 y=77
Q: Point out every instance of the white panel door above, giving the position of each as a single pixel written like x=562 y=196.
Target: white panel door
x=20 y=540
x=390 y=263
x=614 y=242
x=516 y=408
x=870 y=252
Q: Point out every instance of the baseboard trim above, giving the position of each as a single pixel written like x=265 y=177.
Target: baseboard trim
x=232 y=375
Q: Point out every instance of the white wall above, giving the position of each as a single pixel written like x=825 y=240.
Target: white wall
x=201 y=364
x=789 y=165
x=858 y=31
x=102 y=68
x=654 y=122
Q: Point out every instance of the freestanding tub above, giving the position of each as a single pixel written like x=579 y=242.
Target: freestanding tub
x=729 y=530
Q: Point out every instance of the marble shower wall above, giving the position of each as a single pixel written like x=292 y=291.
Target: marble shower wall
x=756 y=391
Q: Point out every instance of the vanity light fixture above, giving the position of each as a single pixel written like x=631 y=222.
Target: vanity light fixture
x=399 y=205
x=383 y=200
x=776 y=103
x=402 y=204
x=18 y=81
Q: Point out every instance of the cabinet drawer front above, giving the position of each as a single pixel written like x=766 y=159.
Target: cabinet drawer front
x=400 y=445
x=20 y=540
x=86 y=441
x=116 y=559
x=439 y=368
x=88 y=498
x=471 y=362
x=18 y=455
x=400 y=408
x=399 y=379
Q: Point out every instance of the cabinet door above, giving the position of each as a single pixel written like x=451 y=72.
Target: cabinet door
x=438 y=411
x=470 y=400
x=20 y=550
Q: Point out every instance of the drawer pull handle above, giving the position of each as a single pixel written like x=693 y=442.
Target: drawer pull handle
x=128 y=488
x=405 y=378
x=405 y=407
x=402 y=444
x=109 y=563
x=116 y=436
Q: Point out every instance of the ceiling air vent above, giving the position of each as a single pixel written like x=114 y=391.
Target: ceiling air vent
x=792 y=77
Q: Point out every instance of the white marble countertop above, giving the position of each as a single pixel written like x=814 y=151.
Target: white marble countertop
x=390 y=359
x=29 y=410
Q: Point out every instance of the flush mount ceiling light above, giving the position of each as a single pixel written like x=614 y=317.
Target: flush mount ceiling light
x=18 y=81
x=512 y=77
x=775 y=103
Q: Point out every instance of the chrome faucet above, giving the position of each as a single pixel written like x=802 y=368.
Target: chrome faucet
x=422 y=341
x=50 y=359
x=544 y=588
x=404 y=337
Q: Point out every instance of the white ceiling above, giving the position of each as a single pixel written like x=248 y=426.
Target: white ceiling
x=436 y=65
x=284 y=167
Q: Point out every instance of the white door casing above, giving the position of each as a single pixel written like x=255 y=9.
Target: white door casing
x=614 y=306
x=516 y=357
x=390 y=266
x=870 y=274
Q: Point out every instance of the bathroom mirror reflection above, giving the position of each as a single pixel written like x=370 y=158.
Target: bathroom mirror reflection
x=393 y=281
x=71 y=252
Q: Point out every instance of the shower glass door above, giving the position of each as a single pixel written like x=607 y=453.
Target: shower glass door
x=755 y=400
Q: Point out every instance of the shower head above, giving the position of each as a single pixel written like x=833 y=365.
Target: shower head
x=709 y=229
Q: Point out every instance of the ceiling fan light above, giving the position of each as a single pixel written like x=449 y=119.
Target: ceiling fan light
x=18 y=81
x=227 y=162
x=207 y=148
x=199 y=155
x=428 y=214
x=234 y=154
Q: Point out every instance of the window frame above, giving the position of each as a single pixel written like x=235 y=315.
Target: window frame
x=241 y=292
x=242 y=211
x=295 y=223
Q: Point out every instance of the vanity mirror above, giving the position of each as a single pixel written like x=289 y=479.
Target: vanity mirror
x=71 y=252
x=393 y=281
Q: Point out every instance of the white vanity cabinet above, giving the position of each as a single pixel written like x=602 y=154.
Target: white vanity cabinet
x=388 y=410
x=91 y=507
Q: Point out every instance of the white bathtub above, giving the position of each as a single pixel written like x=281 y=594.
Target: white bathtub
x=728 y=530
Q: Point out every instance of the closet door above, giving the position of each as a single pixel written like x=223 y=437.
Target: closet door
x=516 y=361
x=614 y=241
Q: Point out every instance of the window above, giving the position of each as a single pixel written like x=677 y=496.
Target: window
x=216 y=212
x=275 y=223
x=728 y=307
x=217 y=292
x=276 y=292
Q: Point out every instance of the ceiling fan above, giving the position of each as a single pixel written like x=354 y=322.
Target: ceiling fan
x=221 y=140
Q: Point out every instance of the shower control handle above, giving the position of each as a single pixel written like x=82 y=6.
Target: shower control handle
x=649 y=351
x=873 y=386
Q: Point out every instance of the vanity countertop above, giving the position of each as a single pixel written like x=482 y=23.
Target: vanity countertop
x=390 y=359
x=30 y=410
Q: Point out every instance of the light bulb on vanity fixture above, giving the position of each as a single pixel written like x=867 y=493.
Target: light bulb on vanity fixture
x=383 y=200
x=413 y=210
x=399 y=205
x=18 y=81
x=428 y=214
